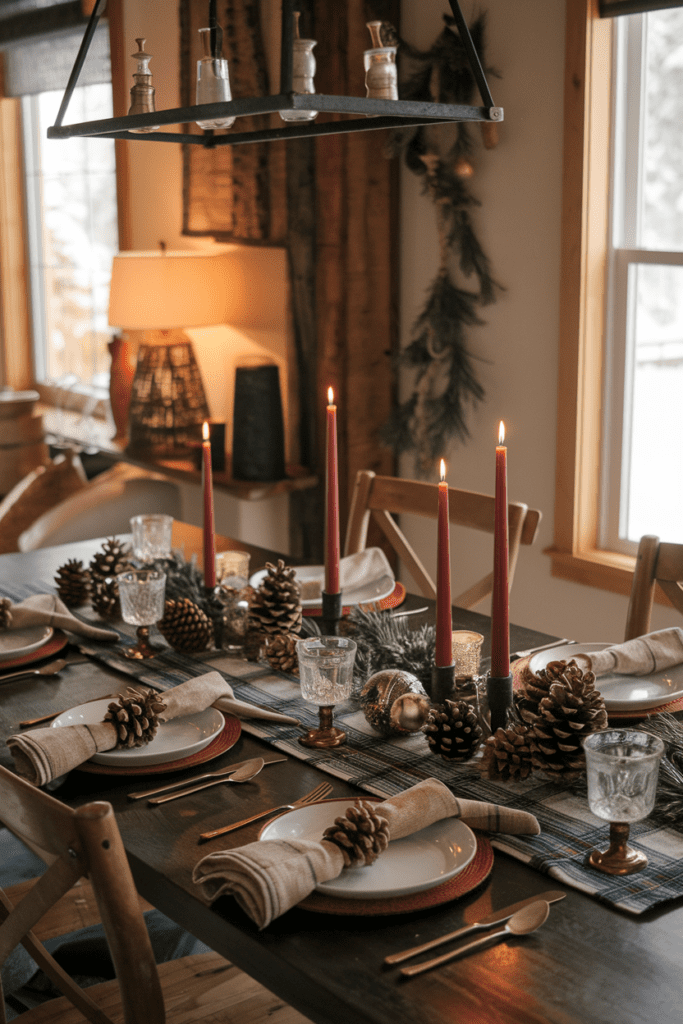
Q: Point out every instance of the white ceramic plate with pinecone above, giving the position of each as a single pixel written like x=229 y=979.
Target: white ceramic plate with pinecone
x=16 y=642
x=420 y=861
x=620 y=692
x=365 y=577
x=175 y=739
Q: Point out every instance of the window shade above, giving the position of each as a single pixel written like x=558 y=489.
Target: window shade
x=612 y=8
x=39 y=43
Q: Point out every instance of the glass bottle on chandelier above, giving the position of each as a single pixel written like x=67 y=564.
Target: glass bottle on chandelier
x=381 y=77
x=213 y=83
x=303 y=70
x=142 y=93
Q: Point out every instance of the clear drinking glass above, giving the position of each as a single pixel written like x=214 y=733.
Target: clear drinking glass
x=622 y=767
x=326 y=673
x=213 y=82
x=151 y=537
x=142 y=594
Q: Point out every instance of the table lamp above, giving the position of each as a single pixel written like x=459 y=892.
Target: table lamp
x=156 y=295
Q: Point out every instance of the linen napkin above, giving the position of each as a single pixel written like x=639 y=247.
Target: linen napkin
x=354 y=571
x=639 y=657
x=42 y=755
x=267 y=878
x=50 y=610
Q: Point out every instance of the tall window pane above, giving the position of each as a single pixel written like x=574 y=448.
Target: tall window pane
x=71 y=190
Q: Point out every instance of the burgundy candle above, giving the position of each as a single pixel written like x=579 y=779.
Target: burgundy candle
x=443 y=654
x=331 y=500
x=500 y=614
x=209 y=534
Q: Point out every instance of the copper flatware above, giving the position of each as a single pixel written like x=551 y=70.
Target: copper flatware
x=56 y=714
x=543 y=647
x=51 y=669
x=523 y=922
x=552 y=896
x=141 y=794
x=319 y=793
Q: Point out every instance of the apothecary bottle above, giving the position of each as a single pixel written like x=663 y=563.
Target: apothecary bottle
x=213 y=83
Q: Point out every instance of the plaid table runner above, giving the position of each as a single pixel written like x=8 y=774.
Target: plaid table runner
x=388 y=766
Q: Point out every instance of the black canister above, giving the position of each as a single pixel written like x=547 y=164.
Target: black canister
x=258 y=436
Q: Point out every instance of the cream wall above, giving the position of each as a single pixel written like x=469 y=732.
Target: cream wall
x=519 y=184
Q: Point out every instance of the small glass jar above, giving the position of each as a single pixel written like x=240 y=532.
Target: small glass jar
x=303 y=70
x=213 y=83
x=381 y=77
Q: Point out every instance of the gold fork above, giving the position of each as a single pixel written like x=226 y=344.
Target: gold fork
x=319 y=793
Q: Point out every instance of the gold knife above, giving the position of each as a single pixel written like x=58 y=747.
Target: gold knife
x=499 y=915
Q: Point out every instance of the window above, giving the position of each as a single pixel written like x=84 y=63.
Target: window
x=589 y=471
x=642 y=492
x=72 y=239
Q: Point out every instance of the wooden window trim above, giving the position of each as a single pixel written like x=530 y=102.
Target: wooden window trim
x=575 y=554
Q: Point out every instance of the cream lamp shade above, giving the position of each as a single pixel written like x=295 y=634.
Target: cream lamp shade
x=167 y=290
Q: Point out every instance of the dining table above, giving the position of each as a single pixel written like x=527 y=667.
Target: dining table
x=591 y=962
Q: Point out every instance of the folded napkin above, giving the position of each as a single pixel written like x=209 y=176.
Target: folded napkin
x=267 y=878
x=354 y=571
x=639 y=657
x=45 y=754
x=49 y=610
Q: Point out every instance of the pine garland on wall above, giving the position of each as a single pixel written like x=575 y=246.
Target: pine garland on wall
x=446 y=383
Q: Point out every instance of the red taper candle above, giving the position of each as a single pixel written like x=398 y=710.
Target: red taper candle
x=209 y=534
x=331 y=500
x=500 y=614
x=443 y=654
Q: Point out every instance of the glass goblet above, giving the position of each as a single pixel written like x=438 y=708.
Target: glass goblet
x=326 y=673
x=151 y=536
x=622 y=767
x=142 y=604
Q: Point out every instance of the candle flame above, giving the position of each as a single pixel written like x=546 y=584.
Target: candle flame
x=501 y=433
x=330 y=396
x=205 y=430
x=442 y=469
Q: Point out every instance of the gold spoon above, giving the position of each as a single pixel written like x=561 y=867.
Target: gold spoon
x=47 y=670
x=526 y=920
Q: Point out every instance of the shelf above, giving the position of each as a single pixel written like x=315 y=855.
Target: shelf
x=66 y=427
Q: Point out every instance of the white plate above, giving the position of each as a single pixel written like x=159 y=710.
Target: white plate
x=14 y=643
x=175 y=739
x=621 y=693
x=421 y=861
x=372 y=590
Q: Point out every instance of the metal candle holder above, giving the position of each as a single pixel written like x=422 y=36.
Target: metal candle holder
x=499 y=699
x=443 y=683
x=331 y=614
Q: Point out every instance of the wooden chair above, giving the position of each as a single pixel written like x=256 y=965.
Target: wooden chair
x=87 y=842
x=656 y=563
x=378 y=496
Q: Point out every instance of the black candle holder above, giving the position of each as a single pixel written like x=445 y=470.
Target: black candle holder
x=499 y=699
x=443 y=683
x=331 y=614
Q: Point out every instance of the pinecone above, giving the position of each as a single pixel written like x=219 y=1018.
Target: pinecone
x=73 y=583
x=185 y=626
x=572 y=709
x=276 y=605
x=113 y=558
x=452 y=730
x=507 y=754
x=105 y=597
x=536 y=687
x=136 y=717
x=5 y=613
x=281 y=653
x=361 y=835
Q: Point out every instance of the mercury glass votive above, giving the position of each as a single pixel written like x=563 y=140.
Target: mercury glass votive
x=142 y=594
x=232 y=568
x=466 y=650
x=326 y=674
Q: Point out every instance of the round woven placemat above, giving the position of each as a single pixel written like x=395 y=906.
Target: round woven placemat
x=56 y=642
x=468 y=879
x=224 y=741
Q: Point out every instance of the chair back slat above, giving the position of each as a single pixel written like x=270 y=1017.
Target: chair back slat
x=85 y=841
x=655 y=564
x=382 y=497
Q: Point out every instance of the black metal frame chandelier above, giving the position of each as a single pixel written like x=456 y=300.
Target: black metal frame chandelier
x=371 y=114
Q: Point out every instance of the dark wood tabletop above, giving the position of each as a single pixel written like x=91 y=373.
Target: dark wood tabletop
x=589 y=964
